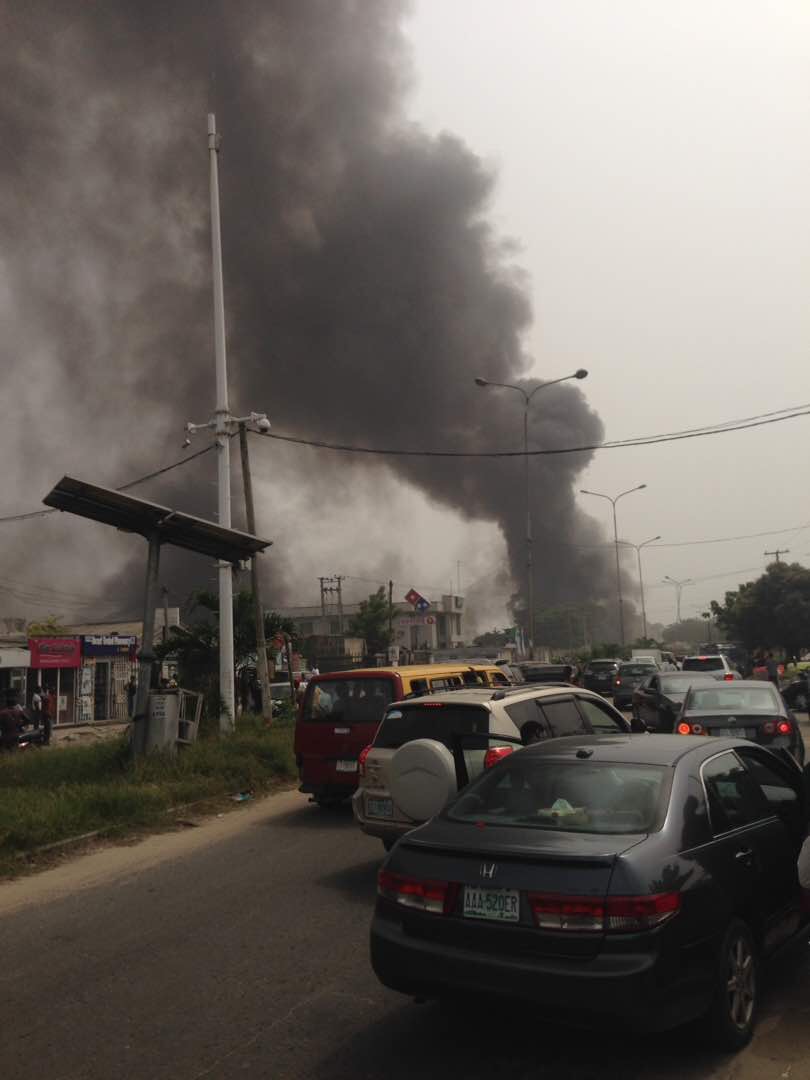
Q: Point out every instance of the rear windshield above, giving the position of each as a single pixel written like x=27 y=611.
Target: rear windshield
x=636 y=669
x=675 y=684
x=583 y=797
x=758 y=699
x=432 y=720
x=347 y=701
x=703 y=663
x=601 y=665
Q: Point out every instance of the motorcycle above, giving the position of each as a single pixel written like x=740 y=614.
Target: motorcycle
x=18 y=732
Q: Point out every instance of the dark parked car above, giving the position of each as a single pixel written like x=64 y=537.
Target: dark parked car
x=748 y=708
x=624 y=878
x=797 y=692
x=535 y=672
x=658 y=700
x=599 y=675
x=627 y=678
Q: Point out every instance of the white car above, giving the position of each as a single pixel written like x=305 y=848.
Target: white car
x=427 y=748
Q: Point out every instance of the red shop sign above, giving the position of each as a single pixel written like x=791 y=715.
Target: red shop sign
x=55 y=652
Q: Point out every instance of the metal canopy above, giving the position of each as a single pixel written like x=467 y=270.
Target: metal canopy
x=153 y=521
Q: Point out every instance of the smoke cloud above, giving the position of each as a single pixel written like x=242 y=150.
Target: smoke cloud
x=364 y=287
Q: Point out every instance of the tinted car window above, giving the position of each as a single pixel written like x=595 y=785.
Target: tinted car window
x=599 y=719
x=734 y=798
x=563 y=717
x=432 y=720
x=600 y=666
x=347 y=701
x=703 y=663
x=634 y=670
x=566 y=796
x=523 y=713
x=781 y=796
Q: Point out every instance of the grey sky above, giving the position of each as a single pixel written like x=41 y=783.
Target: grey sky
x=653 y=161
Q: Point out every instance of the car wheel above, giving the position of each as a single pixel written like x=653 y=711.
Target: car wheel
x=734 y=1009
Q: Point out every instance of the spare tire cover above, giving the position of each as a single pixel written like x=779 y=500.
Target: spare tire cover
x=422 y=778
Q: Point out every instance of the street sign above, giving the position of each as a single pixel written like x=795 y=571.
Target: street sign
x=417 y=600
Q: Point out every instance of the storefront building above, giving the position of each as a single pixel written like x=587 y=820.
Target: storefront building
x=15 y=660
x=55 y=662
x=87 y=674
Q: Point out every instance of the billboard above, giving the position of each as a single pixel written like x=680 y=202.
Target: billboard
x=55 y=652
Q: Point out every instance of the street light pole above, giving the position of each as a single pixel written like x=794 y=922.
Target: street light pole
x=638 y=548
x=613 y=500
x=527 y=397
x=224 y=426
x=679 y=586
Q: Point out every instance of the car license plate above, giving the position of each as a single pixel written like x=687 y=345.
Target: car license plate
x=380 y=807
x=732 y=733
x=346 y=766
x=500 y=905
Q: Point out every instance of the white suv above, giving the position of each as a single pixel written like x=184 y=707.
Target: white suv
x=426 y=748
x=715 y=664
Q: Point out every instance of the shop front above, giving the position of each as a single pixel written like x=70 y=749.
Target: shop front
x=108 y=663
x=55 y=663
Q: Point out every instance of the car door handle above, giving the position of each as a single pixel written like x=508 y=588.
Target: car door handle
x=745 y=856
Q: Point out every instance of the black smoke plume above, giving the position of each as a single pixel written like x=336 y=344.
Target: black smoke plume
x=365 y=288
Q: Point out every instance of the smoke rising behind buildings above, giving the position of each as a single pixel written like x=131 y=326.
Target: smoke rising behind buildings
x=364 y=286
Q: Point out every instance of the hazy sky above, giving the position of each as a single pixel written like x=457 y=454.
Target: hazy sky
x=653 y=163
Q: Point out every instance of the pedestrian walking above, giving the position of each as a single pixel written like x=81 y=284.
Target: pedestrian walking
x=48 y=714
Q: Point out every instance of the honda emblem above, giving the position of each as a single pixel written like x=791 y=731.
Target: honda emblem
x=489 y=870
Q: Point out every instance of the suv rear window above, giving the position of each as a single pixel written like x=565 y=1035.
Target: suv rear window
x=636 y=669
x=347 y=701
x=703 y=663
x=601 y=665
x=564 y=796
x=432 y=720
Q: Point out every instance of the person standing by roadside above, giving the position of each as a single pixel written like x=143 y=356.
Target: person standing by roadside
x=772 y=669
x=36 y=707
x=132 y=690
x=48 y=712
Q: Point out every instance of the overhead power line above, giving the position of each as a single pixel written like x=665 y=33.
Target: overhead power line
x=123 y=487
x=721 y=428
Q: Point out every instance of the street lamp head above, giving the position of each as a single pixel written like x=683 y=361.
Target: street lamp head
x=480 y=382
x=581 y=374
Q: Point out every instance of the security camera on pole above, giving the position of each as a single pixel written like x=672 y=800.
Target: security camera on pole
x=224 y=425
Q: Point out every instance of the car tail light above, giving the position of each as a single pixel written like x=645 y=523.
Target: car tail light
x=614 y=914
x=698 y=729
x=438 y=897
x=618 y=682
x=626 y=914
x=361 y=760
x=684 y=729
x=769 y=728
x=567 y=912
x=728 y=677
x=431 y=704
x=784 y=728
x=496 y=754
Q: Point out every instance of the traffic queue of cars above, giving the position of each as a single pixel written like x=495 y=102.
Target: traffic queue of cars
x=543 y=846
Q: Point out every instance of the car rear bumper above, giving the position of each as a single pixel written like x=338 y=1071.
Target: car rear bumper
x=382 y=828
x=638 y=990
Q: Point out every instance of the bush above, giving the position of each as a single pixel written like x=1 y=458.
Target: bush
x=54 y=794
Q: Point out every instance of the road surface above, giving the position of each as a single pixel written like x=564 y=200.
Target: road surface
x=239 y=949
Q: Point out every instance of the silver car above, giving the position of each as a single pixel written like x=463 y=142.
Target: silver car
x=715 y=664
x=427 y=748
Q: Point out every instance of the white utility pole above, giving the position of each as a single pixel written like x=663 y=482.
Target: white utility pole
x=223 y=425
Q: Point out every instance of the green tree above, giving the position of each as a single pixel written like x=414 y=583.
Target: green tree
x=52 y=626
x=773 y=611
x=372 y=622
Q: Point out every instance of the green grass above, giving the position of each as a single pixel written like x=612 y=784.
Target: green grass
x=52 y=795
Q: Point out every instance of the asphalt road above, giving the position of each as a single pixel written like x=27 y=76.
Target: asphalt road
x=239 y=949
